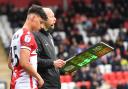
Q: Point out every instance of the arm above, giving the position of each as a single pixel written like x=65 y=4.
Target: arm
x=48 y=63
x=45 y=63
x=9 y=63
x=24 y=63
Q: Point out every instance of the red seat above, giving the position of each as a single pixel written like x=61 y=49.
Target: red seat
x=119 y=75
x=106 y=77
x=112 y=76
x=125 y=74
x=109 y=76
x=123 y=81
x=113 y=83
x=62 y=79
x=79 y=84
x=67 y=78
x=87 y=84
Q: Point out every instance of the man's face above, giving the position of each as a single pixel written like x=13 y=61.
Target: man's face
x=49 y=24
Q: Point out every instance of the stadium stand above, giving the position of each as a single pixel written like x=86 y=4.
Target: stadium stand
x=83 y=24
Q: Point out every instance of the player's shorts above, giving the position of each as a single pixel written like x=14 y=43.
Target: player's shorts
x=24 y=83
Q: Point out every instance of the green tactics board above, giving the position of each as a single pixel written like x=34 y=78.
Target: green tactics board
x=86 y=57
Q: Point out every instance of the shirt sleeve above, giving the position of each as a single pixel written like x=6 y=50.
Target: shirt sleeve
x=26 y=41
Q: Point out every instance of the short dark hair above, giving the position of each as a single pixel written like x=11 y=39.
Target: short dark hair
x=38 y=10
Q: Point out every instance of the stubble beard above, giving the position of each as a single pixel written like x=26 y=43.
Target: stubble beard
x=49 y=28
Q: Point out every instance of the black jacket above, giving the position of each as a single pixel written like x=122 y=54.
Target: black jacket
x=45 y=58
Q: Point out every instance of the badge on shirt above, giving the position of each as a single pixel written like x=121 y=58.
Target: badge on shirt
x=27 y=38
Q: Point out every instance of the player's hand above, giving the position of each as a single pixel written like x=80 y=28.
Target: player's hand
x=40 y=82
x=59 y=63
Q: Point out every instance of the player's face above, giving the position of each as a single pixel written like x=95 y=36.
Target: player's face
x=51 y=21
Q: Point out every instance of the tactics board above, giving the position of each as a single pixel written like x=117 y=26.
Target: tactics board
x=86 y=57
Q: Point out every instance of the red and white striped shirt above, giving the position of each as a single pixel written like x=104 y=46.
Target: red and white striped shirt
x=20 y=79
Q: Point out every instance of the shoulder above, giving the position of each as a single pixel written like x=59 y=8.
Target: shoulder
x=17 y=34
x=26 y=36
x=38 y=35
x=35 y=34
x=26 y=32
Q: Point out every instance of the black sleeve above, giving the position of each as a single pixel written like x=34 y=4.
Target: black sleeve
x=42 y=62
x=45 y=63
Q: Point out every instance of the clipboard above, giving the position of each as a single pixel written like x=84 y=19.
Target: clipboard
x=84 y=58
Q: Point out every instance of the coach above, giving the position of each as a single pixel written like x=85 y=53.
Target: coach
x=48 y=64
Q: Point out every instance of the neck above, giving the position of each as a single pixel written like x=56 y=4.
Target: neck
x=27 y=26
x=45 y=29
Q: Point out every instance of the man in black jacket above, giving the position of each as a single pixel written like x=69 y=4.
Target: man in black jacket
x=48 y=64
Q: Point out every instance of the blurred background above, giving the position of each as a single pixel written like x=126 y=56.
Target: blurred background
x=80 y=24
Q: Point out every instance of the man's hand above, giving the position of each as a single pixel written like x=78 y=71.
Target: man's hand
x=59 y=63
x=40 y=82
x=9 y=62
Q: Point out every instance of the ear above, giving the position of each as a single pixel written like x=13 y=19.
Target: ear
x=33 y=18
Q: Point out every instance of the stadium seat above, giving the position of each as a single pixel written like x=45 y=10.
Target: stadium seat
x=125 y=74
x=119 y=75
x=67 y=78
x=112 y=76
x=87 y=84
x=62 y=79
x=125 y=44
x=109 y=76
x=64 y=86
x=101 y=68
x=108 y=68
x=106 y=77
x=79 y=84
x=113 y=83
x=93 y=40
x=71 y=85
